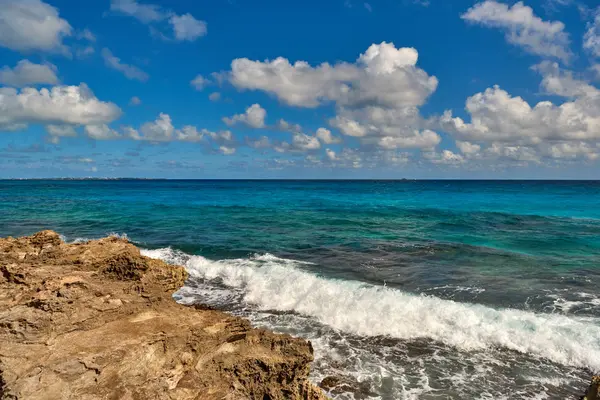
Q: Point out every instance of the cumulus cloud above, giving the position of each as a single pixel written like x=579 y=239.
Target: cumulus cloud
x=28 y=73
x=160 y=130
x=72 y=105
x=509 y=128
x=225 y=150
x=32 y=25
x=163 y=130
x=467 y=147
x=421 y=140
x=325 y=136
x=383 y=75
x=562 y=83
x=285 y=126
x=254 y=117
x=301 y=142
x=130 y=71
x=330 y=154
x=523 y=28
x=445 y=157
x=57 y=132
x=377 y=96
x=215 y=96
x=185 y=27
x=101 y=132
x=496 y=115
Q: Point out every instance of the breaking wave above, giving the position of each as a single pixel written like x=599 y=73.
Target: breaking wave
x=271 y=283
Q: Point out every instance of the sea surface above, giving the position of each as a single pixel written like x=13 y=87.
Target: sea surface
x=407 y=289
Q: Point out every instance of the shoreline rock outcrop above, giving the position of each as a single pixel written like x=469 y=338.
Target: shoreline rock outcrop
x=97 y=320
x=593 y=392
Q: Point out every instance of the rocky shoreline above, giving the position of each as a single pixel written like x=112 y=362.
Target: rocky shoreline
x=97 y=320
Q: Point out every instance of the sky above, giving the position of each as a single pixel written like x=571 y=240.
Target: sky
x=341 y=89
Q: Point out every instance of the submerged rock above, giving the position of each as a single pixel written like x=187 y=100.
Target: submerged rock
x=96 y=320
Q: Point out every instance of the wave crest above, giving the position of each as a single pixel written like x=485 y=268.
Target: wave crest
x=271 y=283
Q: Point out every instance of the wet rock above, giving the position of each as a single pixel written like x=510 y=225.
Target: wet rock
x=593 y=392
x=342 y=384
x=97 y=320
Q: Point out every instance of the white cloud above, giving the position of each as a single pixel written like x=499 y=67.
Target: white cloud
x=32 y=25
x=227 y=150
x=422 y=140
x=563 y=83
x=75 y=105
x=215 y=96
x=101 y=132
x=468 y=147
x=377 y=96
x=325 y=136
x=591 y=39
x=446 y=157
x=368 y=7
x=497 y=116
x=300 y=143
x=383 y=75
x=146 y=13
x=59 y=131
x=508 y=129
x=160 y=130
x=303 y=142
x=135 y=101
x=285 y=126
x=191 y=134
x=330 y=154
x=199 y=82
x=130 y=71
x=27 y=73
x=186 y=27
x=523 y=28
x=254 y=117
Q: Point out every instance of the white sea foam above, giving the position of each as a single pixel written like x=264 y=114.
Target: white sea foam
x=271 y=283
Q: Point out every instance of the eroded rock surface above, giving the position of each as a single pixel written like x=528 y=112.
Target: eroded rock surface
x=96 y=321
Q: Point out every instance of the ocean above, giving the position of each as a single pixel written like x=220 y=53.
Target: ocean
x=407 y=289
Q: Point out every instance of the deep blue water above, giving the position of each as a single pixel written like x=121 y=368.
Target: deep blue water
x=418 y=289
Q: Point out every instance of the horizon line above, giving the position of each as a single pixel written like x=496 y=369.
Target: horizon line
x=295 y=179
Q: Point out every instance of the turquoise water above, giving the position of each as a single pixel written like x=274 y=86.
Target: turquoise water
x=417 y=289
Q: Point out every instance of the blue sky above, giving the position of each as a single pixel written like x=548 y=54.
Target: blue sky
x=271 y=89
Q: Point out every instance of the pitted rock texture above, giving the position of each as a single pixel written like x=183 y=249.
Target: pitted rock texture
x=96 y=320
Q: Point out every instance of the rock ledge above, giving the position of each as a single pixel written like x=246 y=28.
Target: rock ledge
x=96 y=320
